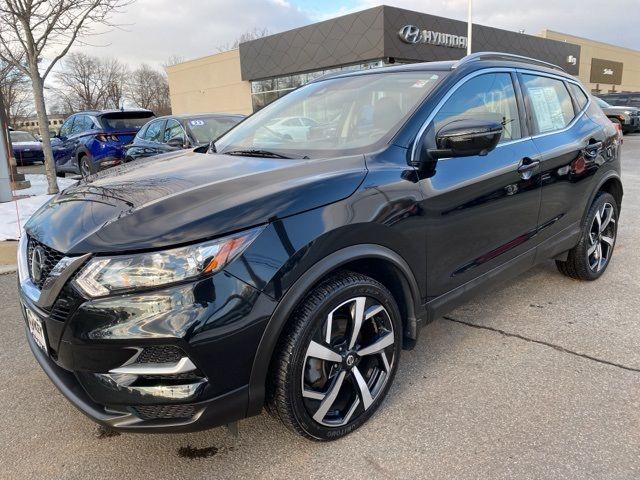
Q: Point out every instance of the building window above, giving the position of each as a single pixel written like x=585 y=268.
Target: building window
x=263 y=92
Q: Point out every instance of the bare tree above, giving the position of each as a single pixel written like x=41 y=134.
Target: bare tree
x=88 y=82
x=149 y=88
x=14 y=90
x=245 y=37
x=29 y=28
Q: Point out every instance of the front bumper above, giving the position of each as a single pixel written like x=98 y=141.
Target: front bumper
x=96 y=349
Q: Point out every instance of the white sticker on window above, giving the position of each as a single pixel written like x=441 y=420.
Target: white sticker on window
x=547 y=108
x=197 y=123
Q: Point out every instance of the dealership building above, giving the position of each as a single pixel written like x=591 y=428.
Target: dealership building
x=262 y=70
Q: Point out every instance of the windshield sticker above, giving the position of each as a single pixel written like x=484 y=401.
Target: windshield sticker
x=420 y=83
x=196 y=123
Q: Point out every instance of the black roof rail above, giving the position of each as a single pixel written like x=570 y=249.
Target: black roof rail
x=505 y=56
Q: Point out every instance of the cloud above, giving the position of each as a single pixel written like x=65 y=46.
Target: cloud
x=153 y=30
x=614 y=21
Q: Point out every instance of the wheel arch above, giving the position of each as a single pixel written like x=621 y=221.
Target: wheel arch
x=610 y=183
x=376 y=261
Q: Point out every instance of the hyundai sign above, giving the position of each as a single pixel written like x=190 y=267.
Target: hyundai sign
x=412 y=34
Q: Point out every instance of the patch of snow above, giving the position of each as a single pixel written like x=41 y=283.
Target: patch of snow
x=26 y=206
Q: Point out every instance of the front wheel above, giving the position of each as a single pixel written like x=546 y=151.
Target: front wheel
x=337 y=358
x=590 y=258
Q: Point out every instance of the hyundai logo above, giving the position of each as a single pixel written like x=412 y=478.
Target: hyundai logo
x=414 y=35
x=37 y=263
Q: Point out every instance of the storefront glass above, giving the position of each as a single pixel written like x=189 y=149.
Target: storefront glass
x=266 y=91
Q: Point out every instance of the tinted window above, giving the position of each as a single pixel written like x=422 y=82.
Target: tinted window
x=78 y=125
x=205 y=129
x=487 y=97
x=125 y=120
x=154 y=131
x=550 y=103
x=173 y=130
x=82 y=124
x=65 y=130
x=579 y=95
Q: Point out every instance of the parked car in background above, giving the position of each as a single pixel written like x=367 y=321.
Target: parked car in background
x=293 y=128
x=176 y=132
x=27 y=149
x=94 y=140
x=627 y=117
x=622 y=99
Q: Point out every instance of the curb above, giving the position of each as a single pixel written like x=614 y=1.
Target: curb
x=5 y=269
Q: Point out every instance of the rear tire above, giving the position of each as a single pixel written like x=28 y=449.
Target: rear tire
x=336 y=358
x=86 y=167
x=589 y=259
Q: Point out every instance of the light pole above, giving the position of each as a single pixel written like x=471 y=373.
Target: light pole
x=469 y=27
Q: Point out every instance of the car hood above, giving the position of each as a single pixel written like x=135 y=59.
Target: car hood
x=25 y=145
x=186 y=197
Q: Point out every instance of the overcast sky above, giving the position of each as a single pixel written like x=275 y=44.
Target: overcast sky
x=153 y=30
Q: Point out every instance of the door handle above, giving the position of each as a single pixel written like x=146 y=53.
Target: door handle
x=527 y=167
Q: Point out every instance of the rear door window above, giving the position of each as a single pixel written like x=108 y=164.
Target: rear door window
x=550 y=102
x=154 y=131
x=173 y=130
x=65 y=129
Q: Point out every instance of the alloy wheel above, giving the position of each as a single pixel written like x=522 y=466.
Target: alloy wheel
x=602 y=237
x=348 y=362
x=85 y=169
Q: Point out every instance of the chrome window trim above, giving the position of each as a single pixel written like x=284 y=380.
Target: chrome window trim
x=464 y=79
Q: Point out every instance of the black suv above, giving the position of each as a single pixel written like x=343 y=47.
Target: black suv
x=188 y=291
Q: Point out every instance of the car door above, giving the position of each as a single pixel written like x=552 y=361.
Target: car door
x=481 y=212
x=570 y=146
x=61 y=145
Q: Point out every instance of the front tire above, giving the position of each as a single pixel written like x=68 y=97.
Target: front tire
x=336 y=358
x=590 y=258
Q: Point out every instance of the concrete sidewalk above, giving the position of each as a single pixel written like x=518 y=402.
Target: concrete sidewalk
x=8 y=256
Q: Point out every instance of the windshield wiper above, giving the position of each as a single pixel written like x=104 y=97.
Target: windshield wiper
x=256 y=153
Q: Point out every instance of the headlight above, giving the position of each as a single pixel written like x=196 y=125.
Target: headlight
x=102 y=276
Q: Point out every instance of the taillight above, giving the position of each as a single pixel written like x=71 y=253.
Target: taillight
x=104 y=137
x=619 y=129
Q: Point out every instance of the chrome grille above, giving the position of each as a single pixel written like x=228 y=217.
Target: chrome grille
x=49 y=261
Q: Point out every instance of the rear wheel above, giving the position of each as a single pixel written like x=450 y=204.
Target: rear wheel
x=86 y=167
x=590 y=258
x=337 y=358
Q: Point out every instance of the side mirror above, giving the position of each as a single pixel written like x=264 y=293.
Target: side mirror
x=465 y=138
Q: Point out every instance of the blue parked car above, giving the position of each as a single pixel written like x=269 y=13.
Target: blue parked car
x=94 y=140
x=27 y=149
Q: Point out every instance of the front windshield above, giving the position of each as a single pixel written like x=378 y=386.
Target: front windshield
x=205 y=129
x=602 y=103
x=341 y=115
x=17 y=137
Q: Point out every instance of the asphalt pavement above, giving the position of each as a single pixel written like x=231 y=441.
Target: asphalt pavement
x=538 y=379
